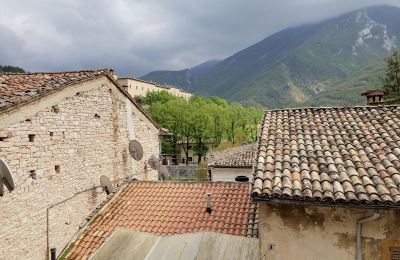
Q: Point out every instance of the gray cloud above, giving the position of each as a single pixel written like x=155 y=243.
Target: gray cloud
x=135 y=37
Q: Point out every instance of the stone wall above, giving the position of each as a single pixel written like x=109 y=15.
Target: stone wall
x=58 y=147
x=298 y=232
x=182 y=171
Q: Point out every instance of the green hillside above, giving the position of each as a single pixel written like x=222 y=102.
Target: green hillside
x=307 y=64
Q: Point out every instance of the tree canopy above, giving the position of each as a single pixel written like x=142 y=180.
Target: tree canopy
x=202 y=122
x=10 y=69
x=391 y=83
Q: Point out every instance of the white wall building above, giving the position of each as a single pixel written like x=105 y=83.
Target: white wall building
x=234 y=164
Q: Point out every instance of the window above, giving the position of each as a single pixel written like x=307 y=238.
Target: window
x=394 y=253
x=31 y=138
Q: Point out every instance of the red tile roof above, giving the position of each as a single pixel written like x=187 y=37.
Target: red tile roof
x=334 y=156
x=237 y=157
x=166 y=208
x=16 y=88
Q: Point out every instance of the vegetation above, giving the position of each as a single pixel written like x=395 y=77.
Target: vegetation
x=391 y=82
x=204 y=122
x=10 y=69
x=315 y=64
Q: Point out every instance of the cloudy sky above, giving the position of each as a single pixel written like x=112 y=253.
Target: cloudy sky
x=137 y=36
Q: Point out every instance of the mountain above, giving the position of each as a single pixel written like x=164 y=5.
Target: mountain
x=306 y=64
x=183 y=78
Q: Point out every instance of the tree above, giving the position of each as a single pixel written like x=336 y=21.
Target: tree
x=391 y=83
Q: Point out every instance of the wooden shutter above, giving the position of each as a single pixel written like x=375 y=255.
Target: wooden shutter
x=394 y=253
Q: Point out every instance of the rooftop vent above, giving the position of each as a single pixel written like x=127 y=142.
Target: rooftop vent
x=242 y=178
x=375 y=96
x=209 y=204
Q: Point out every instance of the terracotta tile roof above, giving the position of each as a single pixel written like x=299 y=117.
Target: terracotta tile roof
x=167 y=208
x=16 y=88
x=237 y=157
x=330 y=155
x=19 y=88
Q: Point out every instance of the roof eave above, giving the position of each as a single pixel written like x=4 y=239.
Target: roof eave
x=344 y=204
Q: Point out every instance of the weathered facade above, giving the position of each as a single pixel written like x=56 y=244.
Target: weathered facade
x=327 y=182
x=137 y=87
x=315 y=232
x=59 y=132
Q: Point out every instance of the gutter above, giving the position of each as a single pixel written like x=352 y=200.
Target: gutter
x=360 y=222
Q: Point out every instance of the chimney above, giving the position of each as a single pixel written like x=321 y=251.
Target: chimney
x=209 y=205
x=375 y=96
x=115 y=76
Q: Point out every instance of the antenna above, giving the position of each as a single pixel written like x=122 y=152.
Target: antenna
x=106 y=184
x=5 y=178
x=163 y=173
x=154 y=162
x=136 y=150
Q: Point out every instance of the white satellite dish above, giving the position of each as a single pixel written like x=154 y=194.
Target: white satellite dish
x=163 y=173
x=136 y=150
x=106 y=184
x=5 y=178
x=154 y=162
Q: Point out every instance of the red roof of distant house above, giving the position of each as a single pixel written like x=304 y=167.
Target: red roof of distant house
x=167 y=208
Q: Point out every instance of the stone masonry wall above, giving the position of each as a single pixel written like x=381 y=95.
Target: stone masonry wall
x=60 y=151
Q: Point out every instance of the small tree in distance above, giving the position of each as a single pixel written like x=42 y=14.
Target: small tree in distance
x=391 y=82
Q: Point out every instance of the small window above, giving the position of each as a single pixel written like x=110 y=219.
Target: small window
x=57 y=169
x=31 y=138
x=394 y=253
x=55 y=109
x=32 y=174
x=242 y=178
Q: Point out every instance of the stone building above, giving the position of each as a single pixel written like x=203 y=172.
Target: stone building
x=139 y=88
x=327 y=182
x=59 y=132
x=233 y=164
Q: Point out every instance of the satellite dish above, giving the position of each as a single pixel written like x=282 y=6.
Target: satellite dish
x=154 y=162
x=136 y=150
x=163 y=173
x=5 y=178
x=106 y=184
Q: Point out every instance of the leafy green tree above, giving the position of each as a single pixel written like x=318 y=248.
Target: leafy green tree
x=391 y=82
x=10 y=69
x=157 y=97
x=201 y=121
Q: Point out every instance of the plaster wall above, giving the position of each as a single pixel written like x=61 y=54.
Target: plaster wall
x=229 y=174
x=311 y=232
x=57 y=148
x=136 y=87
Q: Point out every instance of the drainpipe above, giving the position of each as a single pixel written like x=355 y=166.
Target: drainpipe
x=361 y=221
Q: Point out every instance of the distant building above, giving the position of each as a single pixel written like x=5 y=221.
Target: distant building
x=234 y=164
x=139 y=88
x=375 y=96
x=59 y=132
